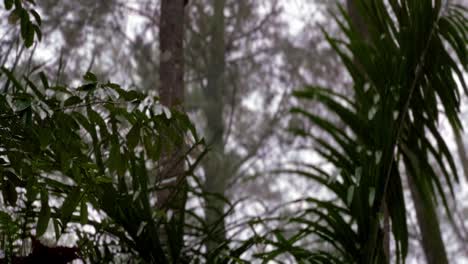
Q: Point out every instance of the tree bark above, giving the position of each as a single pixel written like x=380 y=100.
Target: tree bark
x=171 y=36
x=171 y=93
x=462 y=154
x=215 y=171
x=171 y=74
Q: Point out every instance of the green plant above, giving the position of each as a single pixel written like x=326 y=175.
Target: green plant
x=21 y=11
x=89 y=146
x=402 y=73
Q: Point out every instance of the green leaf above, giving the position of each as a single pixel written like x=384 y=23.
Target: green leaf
x=371 y=196
x=36 y=16
x=9 y=193
x=350 y=195
x=27 y=29
x=57 y=229
x=8 y=4
x=31 y=189
x=12 y=78
x=115 y=158
x=113 y=86
x=65 y=159
x=131 y=95
x=44 y=80
x=83 y=212
x=83 y=121
x=103 y=180
x=59 y=88
x=87 y=87
x=38 y=32
x=96 y=118
x=44 y=214
x=74 y=100
x=69 y=205
x=148 y=142
x=90 y=77
x=13 y=178
x=133 y=136
x=21 y=103
x=35 y=89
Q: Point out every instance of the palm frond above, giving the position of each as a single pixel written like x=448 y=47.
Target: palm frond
x=407 y=66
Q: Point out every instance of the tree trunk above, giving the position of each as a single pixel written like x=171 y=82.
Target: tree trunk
x=426 y=215
x=462 y=154
x=171 y=36
x=171 y=92
x=215 y=176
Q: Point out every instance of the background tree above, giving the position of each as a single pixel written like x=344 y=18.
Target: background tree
x=171 y=94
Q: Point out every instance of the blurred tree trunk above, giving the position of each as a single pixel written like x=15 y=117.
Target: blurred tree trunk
x=171 y=36
x=462 y=154
x=428 y=222
x=171 y=92
x=215 y=171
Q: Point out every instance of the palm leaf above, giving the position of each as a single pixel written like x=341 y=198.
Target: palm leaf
x=403 y=70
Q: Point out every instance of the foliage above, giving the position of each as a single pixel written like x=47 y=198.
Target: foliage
x=89 y=146
x=21 y=11
x=403 y=72
x=94 y=155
